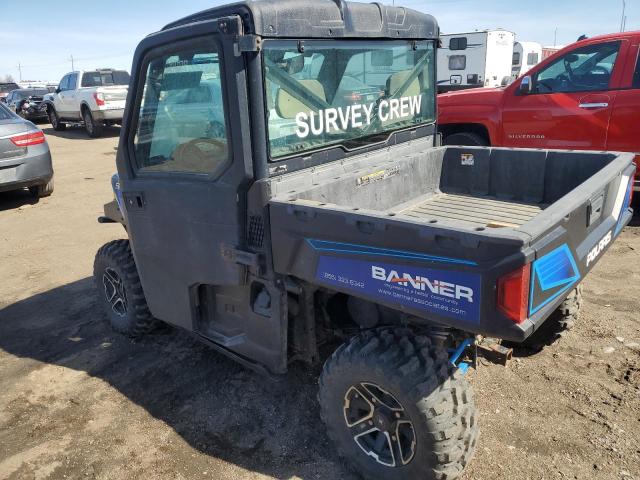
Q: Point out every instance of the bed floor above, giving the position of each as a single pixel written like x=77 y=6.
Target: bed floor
x=478 y=211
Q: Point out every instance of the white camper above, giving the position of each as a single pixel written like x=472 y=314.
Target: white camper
x=526 y=55
x=475 y=59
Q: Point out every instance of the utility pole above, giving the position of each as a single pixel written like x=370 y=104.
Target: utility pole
x=622 y=19
x=73 y=68
x=20 y=71
x=555 y=37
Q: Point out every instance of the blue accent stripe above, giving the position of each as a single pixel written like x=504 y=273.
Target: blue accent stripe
x=625 y=206
x=355 y=249
x=556 y=269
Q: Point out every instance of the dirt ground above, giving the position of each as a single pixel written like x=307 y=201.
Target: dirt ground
x=78 y=401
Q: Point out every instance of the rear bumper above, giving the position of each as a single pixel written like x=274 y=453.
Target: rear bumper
x=28 y=171
x=113 y=115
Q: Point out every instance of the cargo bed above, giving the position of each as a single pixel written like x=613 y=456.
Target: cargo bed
x=465 y=216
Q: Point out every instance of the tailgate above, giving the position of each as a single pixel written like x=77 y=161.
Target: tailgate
x=114 y=97
x=572 y=234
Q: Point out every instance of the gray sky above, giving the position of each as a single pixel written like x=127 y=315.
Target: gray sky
x=105 y=34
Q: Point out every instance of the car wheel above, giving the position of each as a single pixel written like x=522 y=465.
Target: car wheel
x=120 y=291
x=466 y=139
x=57 y=125
x=396 y=409
x=44 y=190
x=94 y=129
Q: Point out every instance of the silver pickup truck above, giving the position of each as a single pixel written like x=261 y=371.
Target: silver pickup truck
x=93 y=97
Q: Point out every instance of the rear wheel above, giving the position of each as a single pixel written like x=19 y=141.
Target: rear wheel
x=467 y=139
x=395 y=409
x=120 y=291
x=57 y=125
x=93 y=128
x=559 y=323
x=44 y=190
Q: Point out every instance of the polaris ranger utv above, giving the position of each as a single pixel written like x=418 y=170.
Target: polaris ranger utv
x=282 y=187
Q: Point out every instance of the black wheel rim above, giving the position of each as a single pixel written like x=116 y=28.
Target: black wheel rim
x=379 y=425
x=114 y=291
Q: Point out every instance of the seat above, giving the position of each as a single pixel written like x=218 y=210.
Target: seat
x=287 y=106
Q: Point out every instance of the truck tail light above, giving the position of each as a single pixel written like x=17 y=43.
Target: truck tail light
x=28 y=139
x=513 y=293
x=99 y=98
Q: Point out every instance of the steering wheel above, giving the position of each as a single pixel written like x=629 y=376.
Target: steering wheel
x=190 y=155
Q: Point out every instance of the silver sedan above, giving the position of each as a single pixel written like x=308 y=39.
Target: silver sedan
x=25 y=160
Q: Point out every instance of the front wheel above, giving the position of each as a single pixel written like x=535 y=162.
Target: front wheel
x=395 y=409
x=465 y=138
x=57 y=125
x=120 y=291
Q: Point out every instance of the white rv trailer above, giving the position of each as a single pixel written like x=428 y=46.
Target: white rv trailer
x=526 y=55
x=475 y=59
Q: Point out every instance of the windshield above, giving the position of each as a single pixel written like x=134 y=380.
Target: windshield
x=347 y=93
x=7 y=87
x=104 y=78
x=30 y=93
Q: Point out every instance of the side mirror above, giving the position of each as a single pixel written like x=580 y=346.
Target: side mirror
x=526 y=85
x=58 y=90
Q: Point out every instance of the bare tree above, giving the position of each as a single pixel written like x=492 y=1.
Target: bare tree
x=6 y=78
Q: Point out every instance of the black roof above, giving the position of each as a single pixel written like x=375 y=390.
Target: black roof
x=322 y=19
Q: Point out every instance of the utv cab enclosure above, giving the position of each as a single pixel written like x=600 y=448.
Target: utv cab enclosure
x=282 y=189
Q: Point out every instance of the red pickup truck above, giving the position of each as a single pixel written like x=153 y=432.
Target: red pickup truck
x=584 y=97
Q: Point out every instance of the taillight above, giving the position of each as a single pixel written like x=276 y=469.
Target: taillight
x=353 y=97
x=513 y=293
x=28 y=139
x=99 y=98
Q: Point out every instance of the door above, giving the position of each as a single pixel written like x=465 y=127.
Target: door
x=623 y=129
x=65 y=104
x=570 y=103
x=60 y=97
x=183 y=168
x=71 y=100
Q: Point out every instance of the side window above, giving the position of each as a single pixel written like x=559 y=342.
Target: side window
x=533 y=58
x=516 y=58
x=73 y=81
x=585 y=69
x=458 y=43
x=64 y=83
x=457 y=62
x=181 y=118
x=636 y=75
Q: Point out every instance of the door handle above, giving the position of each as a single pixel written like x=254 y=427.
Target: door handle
x=594 y=105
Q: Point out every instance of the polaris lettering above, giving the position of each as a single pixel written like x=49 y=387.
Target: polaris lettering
x=420 y=283
x=599 y=248
x=356 y=116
